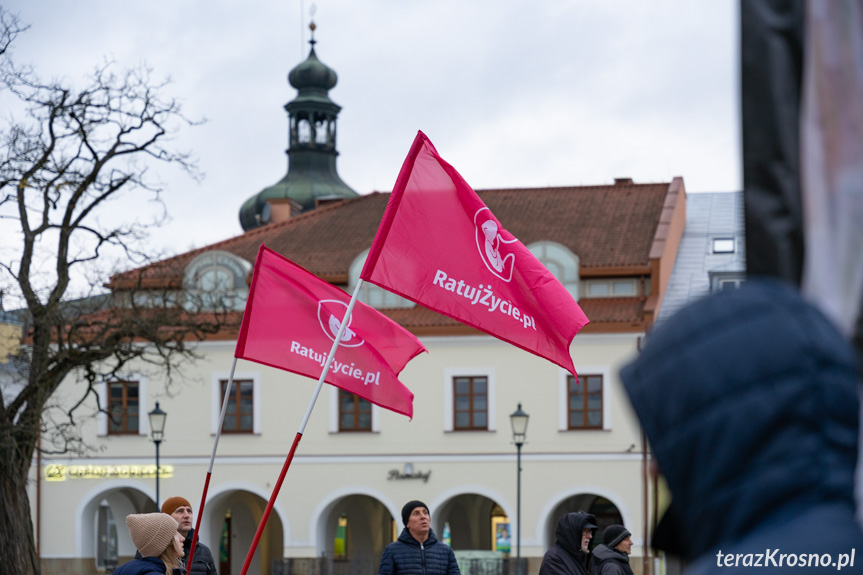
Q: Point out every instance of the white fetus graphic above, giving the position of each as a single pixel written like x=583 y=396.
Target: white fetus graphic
x=335 y=324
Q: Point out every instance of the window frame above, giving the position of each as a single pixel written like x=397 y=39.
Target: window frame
x=449 y=397
x=723 y=245
x=563 y=259
x=217 y=387
x=127 y=382
x=584 y=410
x=143 y=405
x=357 y=402
x=608 y=389
x=471 y=411
x=718 y=279
x=370 y=294
x=334 y=422
x=237 y=398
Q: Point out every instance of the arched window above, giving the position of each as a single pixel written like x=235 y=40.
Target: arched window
x=216 y=280
x=371 y=294
x=304 y=131
x=559 y=261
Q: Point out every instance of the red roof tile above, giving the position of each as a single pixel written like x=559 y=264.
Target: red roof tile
x=606 y=226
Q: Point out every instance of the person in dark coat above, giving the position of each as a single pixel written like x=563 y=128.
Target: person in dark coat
x=749 y=399
x=570 y=554
x=181 y=510
x=159 y=544
x=202 y=563
x=417 y=551
x=611 y=557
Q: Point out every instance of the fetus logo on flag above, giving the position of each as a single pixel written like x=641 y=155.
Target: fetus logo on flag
x=330 y=323
x=490 y=241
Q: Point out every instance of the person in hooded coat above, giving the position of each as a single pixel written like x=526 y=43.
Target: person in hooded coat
x=749 y=399
x=570 y=554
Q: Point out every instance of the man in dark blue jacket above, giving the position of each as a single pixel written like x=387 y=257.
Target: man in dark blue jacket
x=417 y=551
x=749 y=400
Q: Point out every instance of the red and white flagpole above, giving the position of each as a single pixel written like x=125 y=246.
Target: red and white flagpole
x=300 y=431
x=210 y=469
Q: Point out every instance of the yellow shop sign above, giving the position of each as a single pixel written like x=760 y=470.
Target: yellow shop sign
x=58 y=472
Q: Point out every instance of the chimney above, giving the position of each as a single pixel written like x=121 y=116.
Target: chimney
x=280 y=210
x=623 y=181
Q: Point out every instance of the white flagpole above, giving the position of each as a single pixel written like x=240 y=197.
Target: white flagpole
x=210 y=469
x=301 y=429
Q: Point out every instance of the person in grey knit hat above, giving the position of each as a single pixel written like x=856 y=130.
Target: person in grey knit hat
x=611 y=557
x=156 y=537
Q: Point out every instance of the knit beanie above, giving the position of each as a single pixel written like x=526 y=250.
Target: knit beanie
x=409 y=507
x=614 y=534
x=151 y=532
x=170 y=505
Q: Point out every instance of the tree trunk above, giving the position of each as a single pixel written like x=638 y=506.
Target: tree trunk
x=17 y=544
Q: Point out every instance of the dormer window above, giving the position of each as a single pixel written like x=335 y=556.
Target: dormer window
x=216 y=280
x=560 y=261
x=371 y=294
x=723 y=245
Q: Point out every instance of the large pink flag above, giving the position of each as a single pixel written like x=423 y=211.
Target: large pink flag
x=290 y=323
x=440 y=246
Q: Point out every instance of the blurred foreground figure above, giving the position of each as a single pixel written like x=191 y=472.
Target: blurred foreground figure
x=749 y=401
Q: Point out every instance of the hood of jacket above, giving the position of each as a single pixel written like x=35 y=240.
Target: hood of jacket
x=569 y=530
x=749 y=400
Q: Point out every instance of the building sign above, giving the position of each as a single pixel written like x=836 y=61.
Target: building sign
x=397 y=475
x=57 y=472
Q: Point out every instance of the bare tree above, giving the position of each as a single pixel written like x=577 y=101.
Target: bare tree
x=63 y=158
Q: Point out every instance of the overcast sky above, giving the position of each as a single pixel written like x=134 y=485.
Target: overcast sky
x=512 y=93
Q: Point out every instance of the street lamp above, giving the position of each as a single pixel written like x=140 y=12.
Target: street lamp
x=518 y=420
x=157 y=432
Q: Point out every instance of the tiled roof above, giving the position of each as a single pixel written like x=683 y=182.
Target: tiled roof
x=606 y=226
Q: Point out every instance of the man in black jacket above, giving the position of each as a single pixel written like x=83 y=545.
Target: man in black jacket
x=611 y=557
x=570 y=554
x=180 y=509
x=417 y=551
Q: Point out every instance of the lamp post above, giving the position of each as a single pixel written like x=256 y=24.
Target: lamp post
x=518 y=420
x=157 y=433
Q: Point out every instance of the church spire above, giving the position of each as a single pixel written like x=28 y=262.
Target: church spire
x=312 y=153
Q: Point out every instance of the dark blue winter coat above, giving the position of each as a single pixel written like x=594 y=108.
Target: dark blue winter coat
x=203 y=563
x=749 y=401
x=141 y=567
x=407 y=556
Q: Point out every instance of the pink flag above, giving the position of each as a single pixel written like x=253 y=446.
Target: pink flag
x=440 y=246
x=290 y=323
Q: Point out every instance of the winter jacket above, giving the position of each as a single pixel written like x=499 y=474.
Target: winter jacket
x=749 y=400
x=565 y=557
x=407 y=556
x=141 y=566
x=608 y=561
x=202 y=562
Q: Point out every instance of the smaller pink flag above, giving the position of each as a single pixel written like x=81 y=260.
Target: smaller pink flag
x=440 y=246
x=290 y=323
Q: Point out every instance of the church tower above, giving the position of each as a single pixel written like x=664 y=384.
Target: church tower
x=312 y=177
